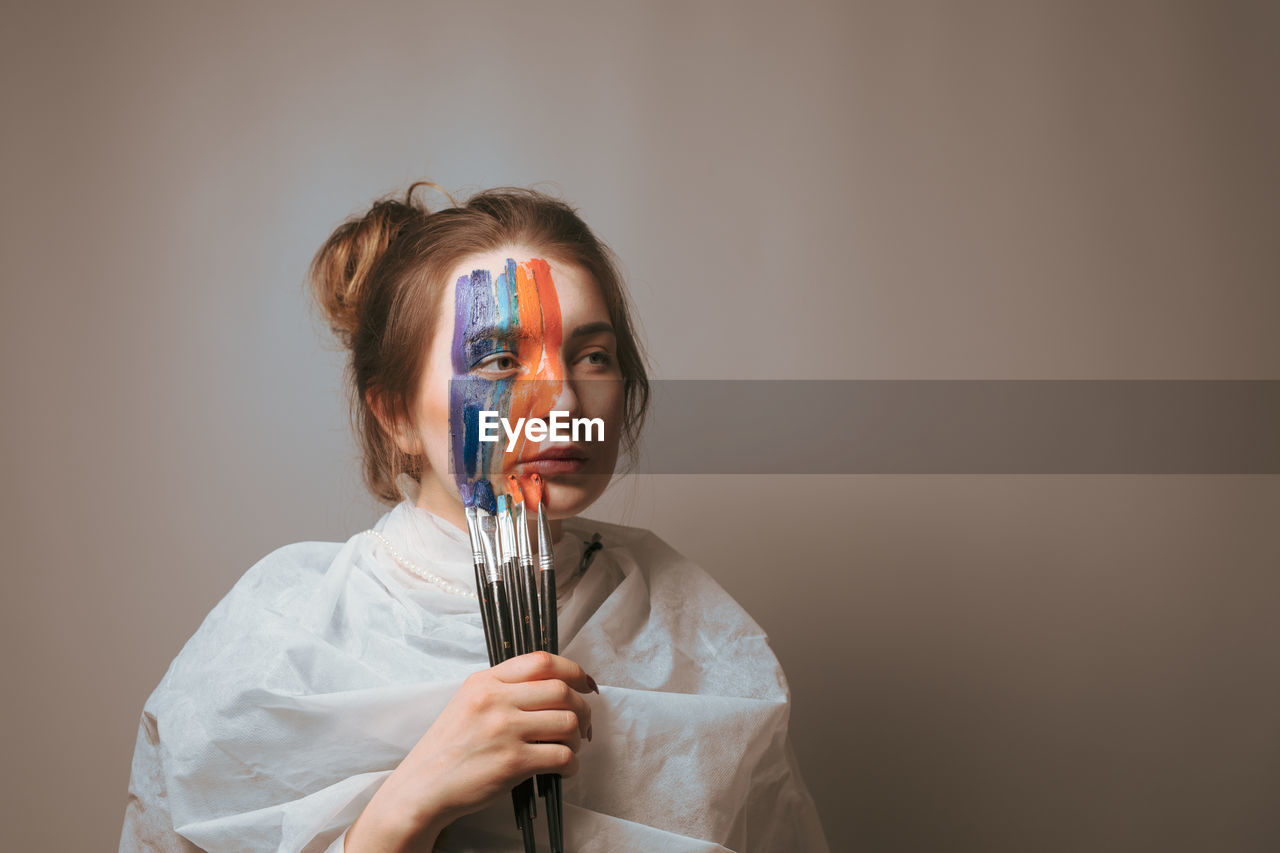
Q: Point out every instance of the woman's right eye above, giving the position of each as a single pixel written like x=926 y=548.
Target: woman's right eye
x=498 y=362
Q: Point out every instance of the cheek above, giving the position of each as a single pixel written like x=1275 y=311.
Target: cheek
x=603 y=399
x=437 y=421
x=433 y=423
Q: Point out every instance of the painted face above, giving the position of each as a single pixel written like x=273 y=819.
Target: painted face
x=507 y=338
x=521 y=336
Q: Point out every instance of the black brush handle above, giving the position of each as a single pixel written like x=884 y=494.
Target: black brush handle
x=502 y=610
x=486 y=616
x=551 y=641
x=533 y=617
x=521 y=794
x=550 y=625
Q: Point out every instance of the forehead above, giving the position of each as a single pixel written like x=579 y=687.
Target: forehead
x=576 y=290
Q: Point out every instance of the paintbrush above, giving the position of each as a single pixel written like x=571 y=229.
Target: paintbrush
x=550 y=630
x=468 y=491
x=487 y=616
x=547 y=782
x=501 y=548
x=546 y=567
x=480 y=520
x=522 y=794
x=511 y=570
x=508 y=559
x=524 y=559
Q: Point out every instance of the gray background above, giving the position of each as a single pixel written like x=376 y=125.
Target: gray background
x=841 y=191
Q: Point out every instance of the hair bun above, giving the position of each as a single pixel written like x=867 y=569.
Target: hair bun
x=342 y=269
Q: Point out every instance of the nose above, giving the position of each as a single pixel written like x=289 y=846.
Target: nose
x=567 y=400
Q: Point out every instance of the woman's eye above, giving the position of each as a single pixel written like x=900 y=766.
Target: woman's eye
x=597 y=359
x=499 y=362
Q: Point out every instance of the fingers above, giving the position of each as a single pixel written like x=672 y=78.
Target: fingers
x=552 y=694
x=551 y=758
x=558 y=726
x=543 y=665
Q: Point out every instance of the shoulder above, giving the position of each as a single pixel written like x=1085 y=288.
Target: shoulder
x=621 y=538
x=611 y=534
x=673 y=609
x=672 y=578
x=256 y=611
x=650 y=553
x=283 y=569
x=278 y=580
x=640 y=550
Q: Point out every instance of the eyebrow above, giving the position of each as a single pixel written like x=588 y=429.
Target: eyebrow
x=593 y=329
x=502 y=333
x=520 y=333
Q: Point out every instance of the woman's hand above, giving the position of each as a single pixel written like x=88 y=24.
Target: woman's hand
x=506 y=723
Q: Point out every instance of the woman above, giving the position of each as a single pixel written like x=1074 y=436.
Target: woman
x=340 y=698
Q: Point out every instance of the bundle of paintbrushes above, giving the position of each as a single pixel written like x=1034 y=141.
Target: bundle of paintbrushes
x=517 y=607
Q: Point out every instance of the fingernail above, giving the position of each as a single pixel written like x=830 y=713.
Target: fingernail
x=588 y=731
x=591 y=681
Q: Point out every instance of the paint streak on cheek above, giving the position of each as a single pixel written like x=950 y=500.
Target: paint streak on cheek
x=475 y=306
x=535 y=392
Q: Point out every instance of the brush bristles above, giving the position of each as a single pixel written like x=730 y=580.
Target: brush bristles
x=484 y=497
x=536 y=490
x=515 y=489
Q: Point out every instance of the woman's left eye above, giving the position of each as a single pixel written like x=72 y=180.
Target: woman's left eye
x=597 y=358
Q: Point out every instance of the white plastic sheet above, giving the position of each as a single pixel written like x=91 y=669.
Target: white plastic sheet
x=326 y=662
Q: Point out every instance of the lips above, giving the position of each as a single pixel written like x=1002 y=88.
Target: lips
x=554 y=460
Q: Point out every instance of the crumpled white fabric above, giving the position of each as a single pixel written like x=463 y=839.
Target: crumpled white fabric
x=326 y=662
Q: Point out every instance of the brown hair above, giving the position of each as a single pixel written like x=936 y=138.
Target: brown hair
x=379 y=279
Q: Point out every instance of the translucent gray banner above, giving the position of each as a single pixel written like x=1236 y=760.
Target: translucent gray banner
x=962 y=427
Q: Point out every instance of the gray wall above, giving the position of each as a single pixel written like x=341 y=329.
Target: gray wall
x=1026 y=190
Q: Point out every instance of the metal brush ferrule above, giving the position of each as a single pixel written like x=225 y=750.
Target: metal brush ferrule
x=473 y=531
x=489 y=549
x=523 y=546
x=546 y=558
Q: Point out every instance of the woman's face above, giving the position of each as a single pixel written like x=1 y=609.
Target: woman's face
x=519 y=336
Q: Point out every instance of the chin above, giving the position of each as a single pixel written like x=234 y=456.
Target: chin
x=571 y=494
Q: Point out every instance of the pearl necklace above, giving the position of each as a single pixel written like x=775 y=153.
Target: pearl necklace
x=447 y=586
